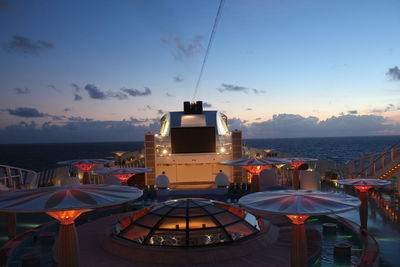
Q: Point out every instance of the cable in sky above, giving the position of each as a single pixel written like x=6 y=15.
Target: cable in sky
x=217 y=18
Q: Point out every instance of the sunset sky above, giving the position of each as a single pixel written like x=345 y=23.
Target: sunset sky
x=106 y=70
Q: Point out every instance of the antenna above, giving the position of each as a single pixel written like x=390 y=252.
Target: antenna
x=217 y=18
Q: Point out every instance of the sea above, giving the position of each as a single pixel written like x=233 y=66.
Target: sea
x=39 y=157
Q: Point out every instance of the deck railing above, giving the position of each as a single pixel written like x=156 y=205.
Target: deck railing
x=374 y=165
x=16 y=178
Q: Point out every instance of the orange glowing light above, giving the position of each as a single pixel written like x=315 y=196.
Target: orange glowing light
x=298 y=219
x=255 y=169
x=85 y=167
x=119 y=154
x=124 y=177
x=363 y=188
x=296 y=164
x=66 y=216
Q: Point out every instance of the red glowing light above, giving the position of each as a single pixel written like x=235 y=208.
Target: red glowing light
x=66 y=216
x=296 y=164
x=363 y=188
x=124 y=177
x=255 y=169
x=298 y=219
x=85 y=167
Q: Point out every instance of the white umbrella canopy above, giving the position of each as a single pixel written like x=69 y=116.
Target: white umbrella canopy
x=254 y=162
x=114 y=171
x=76 y=197
x=298 y=202
x=364 y=182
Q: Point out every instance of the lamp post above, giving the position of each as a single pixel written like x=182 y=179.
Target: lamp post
x=85 y=165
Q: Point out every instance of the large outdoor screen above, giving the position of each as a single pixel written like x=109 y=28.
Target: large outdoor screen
x=193 y=140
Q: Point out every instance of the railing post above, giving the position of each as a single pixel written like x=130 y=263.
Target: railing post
x=392 y=154
x=383 y=160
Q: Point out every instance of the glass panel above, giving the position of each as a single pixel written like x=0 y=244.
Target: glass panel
x=237 y=211
x=162 y=210
x=178 y=212
x=197 y=212
x=202 y=202
x=201 y=222
x=251 y=219
x=239 y=230
x=207 y=237
x=149 y=220
x=168 y=238
x=173 y=223
x=192 y=204
x=225 y=218
x=136 y=233
x=213 y=209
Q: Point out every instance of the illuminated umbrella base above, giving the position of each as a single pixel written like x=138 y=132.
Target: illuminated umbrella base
x=298 y=250
x=364 y=210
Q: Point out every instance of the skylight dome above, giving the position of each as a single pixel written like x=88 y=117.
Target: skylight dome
x=188 y=223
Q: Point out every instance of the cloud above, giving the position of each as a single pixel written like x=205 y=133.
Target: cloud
x=389 y=107
x=169 y=95
x=4 y=5
x=117 y=95
x=54 y=87
x=77 y=97
x=77 y=129
x=235 y=88
x=294 y=125
x=249 y=109
x=95 y=92
x=22 y=91
x=257 y=119
x=76 y=87
x=67 y=109
x=207 y=105
x=394 y=73
x=352 y=112
x=178 y=79
x=136 y=92
x=26 y=112
x=184 y=50
x=25 y=45
x=160 y=112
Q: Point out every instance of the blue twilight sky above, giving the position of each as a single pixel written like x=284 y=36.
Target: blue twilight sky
x=107 y=70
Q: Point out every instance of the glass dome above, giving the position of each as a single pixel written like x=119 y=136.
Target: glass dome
x=188 y=223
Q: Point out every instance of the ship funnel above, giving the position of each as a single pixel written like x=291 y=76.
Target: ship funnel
x=193 y=107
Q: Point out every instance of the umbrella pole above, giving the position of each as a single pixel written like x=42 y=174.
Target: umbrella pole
x=295 y=181
x=85 y=179
x=255 y=183
x=299 y=246
x=11 y=219
x=67 y=246
x=364 y=209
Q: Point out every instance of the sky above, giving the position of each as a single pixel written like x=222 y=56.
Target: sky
x=97 y=70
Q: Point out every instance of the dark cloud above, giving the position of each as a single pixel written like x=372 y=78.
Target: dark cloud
x=67 y=109
x=25 y=45
x=178 y=79
x=4 y=5
x=26 y=112
x=352 y=112
x=22 y=91
x=257 y=119
x=76 y=87
x=292 y=125
x=389 y=107
x=169 y=95
x=95 y=92
x=77 y=129
x=136 y=92
x=249 y=109
x=77 y=97
x=207 y=105
x=184 y=50
x=54 y=87
x=394 y=73
x=235 y=88
x=117 y=95
x=160 y=112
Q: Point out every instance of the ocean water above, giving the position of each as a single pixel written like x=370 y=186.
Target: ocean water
x=40 y=157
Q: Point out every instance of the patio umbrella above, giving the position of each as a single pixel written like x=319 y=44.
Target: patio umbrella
x=298 y=205
x=85 y=165
x=121 y=173
x=119 y=155
x=254 y=166
x=296 y=163
x=65 y=204
x=363 y=185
